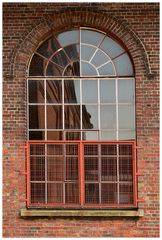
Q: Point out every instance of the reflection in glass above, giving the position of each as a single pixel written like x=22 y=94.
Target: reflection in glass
x=89 y=117
x=72 y=117
x=87 y=52
x=68 y=37
x=109 y=168
x=55 y=168
x=108 y=69
x=37 y=66
x=99 y=58
x=91 y=193
x=72 y=51
x=91 y=37
x=72 y=168
x=48 y=47
x=54 y=135
x=72 y=69
x=91 y=168
x=89 y=91
x=107 y=91
x=54 y=91
x=126 y=117
x=36 y=117
x=126 y=90
x=87 y=69
x=36 y=91
x=109 y=193
x=54 y=117
x=60 y=58
x=108 y=117
x=53 y=70
x=108 y=135
x=111 y=47
x=36 y=135
x=123 y=65
x=126 y=135
x=73 y=136
x=54 y=192
x=71 y=193
x=72 y=91
x=90 y=135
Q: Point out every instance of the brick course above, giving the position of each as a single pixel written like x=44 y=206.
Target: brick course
x=25 y=25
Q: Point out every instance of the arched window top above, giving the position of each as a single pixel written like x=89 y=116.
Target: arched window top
x=81 y=52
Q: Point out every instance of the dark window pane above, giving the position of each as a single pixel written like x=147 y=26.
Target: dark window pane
x=71 y=193
x=109 y=169
x=54 y=117
x=54 y=135
x=60 y=58
x=55 y=168
x=36 y=117
x=37 y=193
x=89 y=91
x=91 y=193
x=73 y=136
x=90 y=149
x=108 y=149
x=55 y=149
x=36 y=91
x=48 y=47
x=72 y=51
x=125 y=169
x=53 y=70
x=37 y=66
x=72 y=149
x=72 y=117
x=37 y=168
x=125 y=150
x=36 y=135
x=72 y=168
x=72 y=69
x=107 y=91
x=54 y=91
x=54 y=193
x=91 y=168
x=90 y=117
x=126 y=193
x=109 y=193
x=37 y=149
x=72 y=91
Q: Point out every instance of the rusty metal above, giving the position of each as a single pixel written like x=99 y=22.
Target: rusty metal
x=81 y=174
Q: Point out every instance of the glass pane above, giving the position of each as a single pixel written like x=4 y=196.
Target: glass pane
x=108 y=117
x=91 y=37
x=54 y=192
x=126 y=135
x=55 y=149
x=36 y=91
x=72 y=51
x=109 y=169
x=54 y=91
x=55 y=168
x=91 y=168
x=53 y=135
x=72 y=91
x=90 y=117
x=109 y=135
x=37 y=168
x=61 y=58
x=107 y=91
x=107 y=70
x=123 y=65
x=126 y=117
x=37 y=66
x=36 y=135
x=73 y=136
x=90 y=135
x=87 y=69
x=99 y=58
x=87 y=52
x=72 y=168
x=109 y=193
x=54 y=117
x=69 y=37
x=72 y=69
x=90 y=149
x=37 y=193
x=125 y=169
x=72 y=117
x=91 y=193
x=53 y=70
x=71 y=193
x=126 y=193
x=48 y=47
x=126 y=90
x=107 y=149
x=89 y=91
x=36 y=117
x=111 y=47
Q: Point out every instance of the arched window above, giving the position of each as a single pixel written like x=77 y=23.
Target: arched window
x=81 y=111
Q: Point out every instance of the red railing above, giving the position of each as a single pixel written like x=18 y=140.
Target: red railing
x=81 y=174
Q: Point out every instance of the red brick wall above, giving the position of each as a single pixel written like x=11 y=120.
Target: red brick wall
x=24 y=26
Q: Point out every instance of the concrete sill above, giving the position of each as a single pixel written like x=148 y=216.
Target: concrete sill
x=81 y=213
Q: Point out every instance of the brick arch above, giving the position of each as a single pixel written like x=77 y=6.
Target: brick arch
x=74 y=18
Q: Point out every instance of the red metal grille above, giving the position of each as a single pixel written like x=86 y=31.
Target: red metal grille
x=81 y=174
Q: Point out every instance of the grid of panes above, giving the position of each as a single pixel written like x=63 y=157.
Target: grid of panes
x=81 y=109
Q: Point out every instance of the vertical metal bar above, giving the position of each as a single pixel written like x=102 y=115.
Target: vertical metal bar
x=81 y=161
x=46 y=192
x=27 y=109
x=99 y=127
x=99 y=171
x=117 y=120
x=134 y=173
x=118 y=195
x=64 y=171
x=28 y=174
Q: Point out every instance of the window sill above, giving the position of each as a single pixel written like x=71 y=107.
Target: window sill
x=81 y=213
